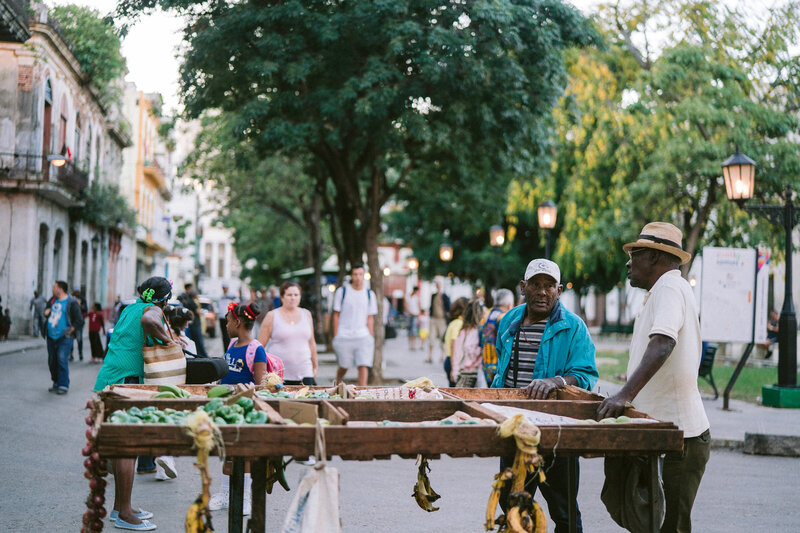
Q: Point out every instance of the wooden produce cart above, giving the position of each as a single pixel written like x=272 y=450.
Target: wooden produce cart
x=257 y=443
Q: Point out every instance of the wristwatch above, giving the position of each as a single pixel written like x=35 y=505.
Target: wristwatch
x=564 y=381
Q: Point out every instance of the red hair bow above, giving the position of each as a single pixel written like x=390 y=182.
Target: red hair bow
x=231 y=307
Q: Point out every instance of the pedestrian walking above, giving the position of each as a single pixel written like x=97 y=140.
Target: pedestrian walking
x=37 y=306
x=466 y=356
x=439 y=309
x=450 y=334
x=96 y=325
x=542 y=346
x=79 y=331
x=5 y=324
x=64 y=317
x=412 y=308
x=354 y=310
x=504 y=301
x=179 y=318
x=288 y=332
x=189 y=300
x=664 y=359
x=222 y=310
x=247 y=363
x=140 y=324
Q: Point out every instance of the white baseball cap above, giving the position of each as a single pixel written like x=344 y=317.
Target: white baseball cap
x=543 y=266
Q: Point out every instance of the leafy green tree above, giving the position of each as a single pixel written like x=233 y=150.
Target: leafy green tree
x=95 y=44
x=722 y=78
x=104 y=207
x=378 y=92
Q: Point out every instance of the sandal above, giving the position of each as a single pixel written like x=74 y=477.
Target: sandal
x=140 y=514
x=144 y=526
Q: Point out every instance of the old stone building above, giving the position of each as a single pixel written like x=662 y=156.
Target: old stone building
x=47 y=108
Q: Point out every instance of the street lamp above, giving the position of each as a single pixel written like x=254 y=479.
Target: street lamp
x=547 y=220
x=497 y=236
x=739 y=174
x=58 y=160
x=445 y=252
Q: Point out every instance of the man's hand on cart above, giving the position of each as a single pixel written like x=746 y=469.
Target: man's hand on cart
x=539 y=389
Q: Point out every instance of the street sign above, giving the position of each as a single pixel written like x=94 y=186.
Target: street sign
x=733 y=290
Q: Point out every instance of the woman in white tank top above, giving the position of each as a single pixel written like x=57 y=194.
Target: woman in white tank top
x=288 y=332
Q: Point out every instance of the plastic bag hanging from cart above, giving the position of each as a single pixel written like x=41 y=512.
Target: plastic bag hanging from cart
x=315 y=506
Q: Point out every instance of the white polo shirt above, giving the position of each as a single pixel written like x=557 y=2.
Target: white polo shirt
x=671 y=395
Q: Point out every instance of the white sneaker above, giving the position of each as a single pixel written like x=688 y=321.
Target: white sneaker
x=218 y=501
x=167 y=464
x=161 y=475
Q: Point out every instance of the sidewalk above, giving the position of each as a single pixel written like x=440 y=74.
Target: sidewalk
x=21 y=344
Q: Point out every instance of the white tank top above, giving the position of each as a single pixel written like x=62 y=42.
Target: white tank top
x=290 y=343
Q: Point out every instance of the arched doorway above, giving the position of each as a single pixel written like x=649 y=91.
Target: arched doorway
x=57 y=242
x=71 y=252
x=44 y=235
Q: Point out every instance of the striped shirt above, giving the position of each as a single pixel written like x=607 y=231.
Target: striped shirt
x=523 y=355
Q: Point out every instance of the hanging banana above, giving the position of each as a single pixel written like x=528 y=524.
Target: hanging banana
x=206 y=435
x=523 y=515
x=423 y=493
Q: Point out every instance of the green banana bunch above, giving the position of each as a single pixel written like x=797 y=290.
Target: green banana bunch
x=177 y=391
x=165 y=394
x=220 y=391
x=423 y=493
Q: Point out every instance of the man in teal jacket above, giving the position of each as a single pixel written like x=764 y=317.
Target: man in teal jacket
x=542 y=346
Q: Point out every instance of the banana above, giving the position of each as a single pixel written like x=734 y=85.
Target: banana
x=539 y=519
x=177 y=391
x=423 y=493
x=514 y=521
x=165 y=394
x=501 y=479
x=276 y=472
x=220 y=391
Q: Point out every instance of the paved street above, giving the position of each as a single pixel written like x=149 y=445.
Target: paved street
x=43 y=486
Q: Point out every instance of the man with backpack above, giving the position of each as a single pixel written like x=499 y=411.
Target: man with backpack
x=354 y=310
x=64 y=318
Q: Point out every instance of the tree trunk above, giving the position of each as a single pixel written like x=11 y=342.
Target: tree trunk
x=376 y=282
x=316 y=258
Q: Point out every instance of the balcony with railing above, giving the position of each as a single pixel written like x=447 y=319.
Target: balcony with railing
x=64 y=184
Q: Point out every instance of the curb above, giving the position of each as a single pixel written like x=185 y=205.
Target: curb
x=775 y=445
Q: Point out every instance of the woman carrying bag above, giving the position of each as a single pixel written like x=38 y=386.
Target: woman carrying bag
x=140 y=324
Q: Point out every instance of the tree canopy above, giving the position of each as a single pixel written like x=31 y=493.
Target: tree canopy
x=381 y=95
x=96 y=46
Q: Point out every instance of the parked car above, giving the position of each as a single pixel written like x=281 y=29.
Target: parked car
x=208 y=316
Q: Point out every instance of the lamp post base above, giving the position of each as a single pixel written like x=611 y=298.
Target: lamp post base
x=775 y=396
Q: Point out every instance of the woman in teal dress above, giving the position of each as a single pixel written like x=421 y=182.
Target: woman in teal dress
x=124 y=363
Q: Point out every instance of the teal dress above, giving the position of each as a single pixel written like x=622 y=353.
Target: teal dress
x=124 y=357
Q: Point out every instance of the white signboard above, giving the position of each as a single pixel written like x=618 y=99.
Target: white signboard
x=731 y=294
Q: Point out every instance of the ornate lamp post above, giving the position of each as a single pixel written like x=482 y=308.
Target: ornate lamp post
x=739 y=174
x=547 y=220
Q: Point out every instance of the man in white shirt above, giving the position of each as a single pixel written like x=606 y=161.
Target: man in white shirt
x=354 y=310
x=222 y=312
x=413 y=308
x=664 y=358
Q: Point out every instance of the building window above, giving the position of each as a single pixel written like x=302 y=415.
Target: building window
x=207 y=260
x=77 y=143
x=221 y=261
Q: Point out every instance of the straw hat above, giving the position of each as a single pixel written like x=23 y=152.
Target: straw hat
x=661 y=236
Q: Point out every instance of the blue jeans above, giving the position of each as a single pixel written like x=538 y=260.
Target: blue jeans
x=555 y=490
x=58 y=360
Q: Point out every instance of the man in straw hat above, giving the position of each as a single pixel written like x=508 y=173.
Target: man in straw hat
x=664 y=357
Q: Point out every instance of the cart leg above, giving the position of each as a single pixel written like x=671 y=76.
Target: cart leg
x=572 y=493
x=652 y=461
x=258 y=520
x=236 y=498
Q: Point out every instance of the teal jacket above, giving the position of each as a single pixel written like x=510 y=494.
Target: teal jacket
x=566 y=348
